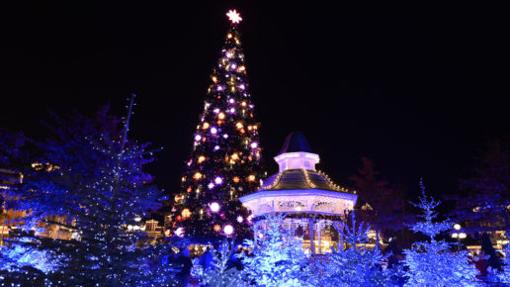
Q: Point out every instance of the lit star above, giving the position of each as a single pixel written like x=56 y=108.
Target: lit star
x=234 y=16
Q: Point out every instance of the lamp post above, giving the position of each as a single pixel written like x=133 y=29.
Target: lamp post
x=458 y=234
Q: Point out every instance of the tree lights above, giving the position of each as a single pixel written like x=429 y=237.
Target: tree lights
x=226 y=153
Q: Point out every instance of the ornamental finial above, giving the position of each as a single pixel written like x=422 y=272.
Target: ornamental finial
x=234 y=16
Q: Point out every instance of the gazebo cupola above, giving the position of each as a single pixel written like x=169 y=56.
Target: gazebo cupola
x=313 y=203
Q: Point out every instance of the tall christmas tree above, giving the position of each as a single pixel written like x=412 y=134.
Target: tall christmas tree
x=225 y=161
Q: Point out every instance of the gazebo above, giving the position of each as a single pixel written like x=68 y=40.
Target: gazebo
x=315 y=206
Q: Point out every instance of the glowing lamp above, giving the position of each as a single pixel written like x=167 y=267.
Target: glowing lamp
x=214 y=207
x=214 y=130
x=251 y=177
x=225 y=136
x=205 y=125
x=457 y=226
x=240 y=219
x=239 y=125
x=462 y=235
x=221 y=116
x=217 y=147
x=201 y=159
x=217 y=228
x=210 y=185
x=254 y=145
x=228 y=229
x=236 y=179
x=138 y=219
x=198 y=137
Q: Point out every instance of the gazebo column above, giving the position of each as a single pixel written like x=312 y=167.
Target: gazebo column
x=311 y=232
x=319 y=237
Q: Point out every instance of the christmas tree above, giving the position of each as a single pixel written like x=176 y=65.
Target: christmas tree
x=225 y=161
x=430 y=262
x=355 y=265
x=277 y=257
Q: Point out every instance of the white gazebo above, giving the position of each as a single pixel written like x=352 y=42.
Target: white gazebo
x=314 y=205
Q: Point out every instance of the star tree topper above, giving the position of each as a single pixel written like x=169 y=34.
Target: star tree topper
x=234 y=16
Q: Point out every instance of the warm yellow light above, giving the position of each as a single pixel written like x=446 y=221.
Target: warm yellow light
x=201 y=159
x=236 y=179
x=243 y=104
x=179 y=198
x=252 y=177
x=235 y=156
x=217 y=228
x=205 y=125
x=197 y=176
x=221 y=116
x=239 y=125
x=214 y=79
x=186 y=213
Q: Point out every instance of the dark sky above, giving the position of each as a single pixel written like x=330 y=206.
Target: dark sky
x=419 y=89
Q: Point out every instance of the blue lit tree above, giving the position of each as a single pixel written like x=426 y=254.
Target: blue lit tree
x=356 y=265
x=431 y=262
x=98 y=184
x=277 y=258
x=222 y=273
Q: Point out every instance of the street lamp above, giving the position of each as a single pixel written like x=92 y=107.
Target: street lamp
x=458 y=235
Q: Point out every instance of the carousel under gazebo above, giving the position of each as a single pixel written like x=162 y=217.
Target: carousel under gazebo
x=315 y=206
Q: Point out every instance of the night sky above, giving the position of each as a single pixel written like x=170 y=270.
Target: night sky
x=420 y=90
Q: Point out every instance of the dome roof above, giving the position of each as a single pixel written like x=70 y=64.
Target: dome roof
x=296 y=179
x=295 y=142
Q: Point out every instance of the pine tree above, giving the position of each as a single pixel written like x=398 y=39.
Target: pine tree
x=431 y=263
x=100 y=188
x=222 y=273
x=380 y=203
x=354 y=266
x=277 y=258
x=224 y=163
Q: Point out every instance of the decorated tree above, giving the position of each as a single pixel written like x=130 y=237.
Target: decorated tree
x=100 y=191
x=225 y=161
x=222 y=272
x=431 y=262
x=277 y=257
x=504 y=275
x=356 y=265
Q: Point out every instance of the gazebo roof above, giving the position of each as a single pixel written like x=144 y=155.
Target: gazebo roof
x=294 y=179
x=295 y=142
